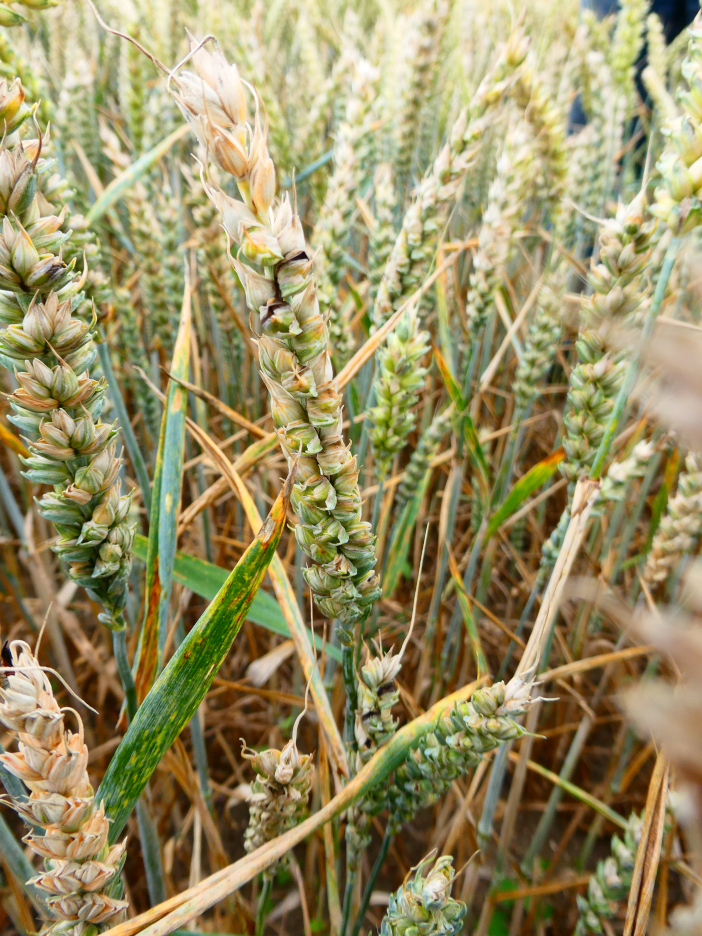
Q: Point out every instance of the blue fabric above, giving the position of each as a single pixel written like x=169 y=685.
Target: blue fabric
x=675 y=14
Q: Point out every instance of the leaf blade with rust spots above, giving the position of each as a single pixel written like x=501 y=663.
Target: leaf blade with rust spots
x=205 y=579
x=183 y=684
x=163 y=520
x=146 y=661
x=172 y=481
x=533 y=479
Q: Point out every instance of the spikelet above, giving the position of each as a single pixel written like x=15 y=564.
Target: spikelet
x=378 y=693
x=611 y=881
x=619 y=294
x=421 y=49
x=621 y=473
x=501 y=218
x=399 y=380
x=423 y=906
x=382 y=236
x=680 y=527
x=422 y=456
x=57 y=404
x=331 y=233
x=627 y=44
x=293 y=343
x=540 y=343
x=14 y=65
x=279 y=794
x=81 y=879
x=414 y=246
x=678 y=197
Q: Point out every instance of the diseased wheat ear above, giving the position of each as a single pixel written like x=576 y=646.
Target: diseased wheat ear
x=611 y=881
x=377 y=692
x=678 y=201
x=457 y=744
x=333 y=227
x=293 y=345
x=618 y=298
x=279 y=794
x=396 y=390
x=423 y=905
x=57 y=405
x=415 y=244
x=81 y=881
x=681 y=525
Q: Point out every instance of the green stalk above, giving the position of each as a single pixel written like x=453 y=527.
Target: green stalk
x=347 y=662
x=130 y=440
x=124 y=670
x=549 y=814
x=376 y=504
x=492 y=794
x=351 y=877
x=261 y=912
x=368 y=892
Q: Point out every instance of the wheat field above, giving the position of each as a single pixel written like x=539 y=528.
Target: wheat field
x=350 y=468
